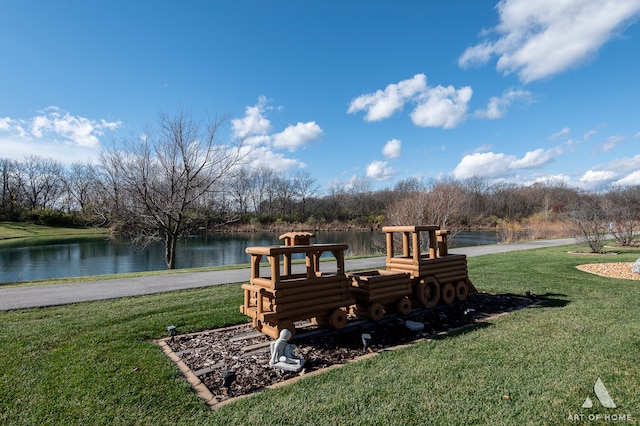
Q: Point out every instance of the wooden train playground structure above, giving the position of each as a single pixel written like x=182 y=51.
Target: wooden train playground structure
x=419 y=273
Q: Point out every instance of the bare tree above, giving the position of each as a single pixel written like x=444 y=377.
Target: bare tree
x=625 y=214
x=80 y=182
x=410 y=210
x=445 y=203
x=239 y=188
x=43 y=181
x=588 y=221
x=12 y=187
x=304 y=187
x=165 y=177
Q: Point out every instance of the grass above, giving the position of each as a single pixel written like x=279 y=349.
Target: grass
x=12 y=230
x=93 y=363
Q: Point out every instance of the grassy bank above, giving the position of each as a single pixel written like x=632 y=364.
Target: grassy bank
x=12 y=230
x=92 y=363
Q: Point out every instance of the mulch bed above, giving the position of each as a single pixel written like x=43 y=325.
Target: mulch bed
x=243 y=353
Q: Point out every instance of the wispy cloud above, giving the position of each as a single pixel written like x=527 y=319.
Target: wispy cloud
x=565 y=131
x=498 y=105
x=538 y=38
x=612 y=142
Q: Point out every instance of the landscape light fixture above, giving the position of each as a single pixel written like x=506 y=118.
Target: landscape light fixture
x=172 y=331
x=228 y=377
x=366 y=340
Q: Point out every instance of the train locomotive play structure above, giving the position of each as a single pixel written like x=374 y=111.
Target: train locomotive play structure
x=420 y=272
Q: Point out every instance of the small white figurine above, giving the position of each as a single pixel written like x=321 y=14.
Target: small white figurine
x=282 y=355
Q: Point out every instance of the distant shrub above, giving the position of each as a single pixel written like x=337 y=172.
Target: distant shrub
x=48 y=217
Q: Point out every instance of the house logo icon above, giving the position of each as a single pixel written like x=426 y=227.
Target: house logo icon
x=603 y=396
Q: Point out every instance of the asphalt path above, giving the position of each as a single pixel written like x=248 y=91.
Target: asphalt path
x=63 y=294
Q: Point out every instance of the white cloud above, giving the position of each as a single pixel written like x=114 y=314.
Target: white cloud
x=392 y=149
x=498 y=165
x=444 y=107
x=264 y=157
x=637 y=135
x=498 y=105
x=293 y=137
x=588 y=135
x=554 y=179
x=378 y=170
x=73 y=130
x=630 y=179
x=624 y=165
x=383 y=104
x=565 y=131
x=438 y=106
x=487 y=164
x=262 y=144
x=256 y=129
x=623 y=171
x=253 y=122
x=53 y=133
x=541 y=38
x=612 y=142
x=535 y=159
x=6 y=123
x=597 y=176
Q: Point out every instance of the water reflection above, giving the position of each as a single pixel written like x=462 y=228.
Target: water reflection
x=28 y=260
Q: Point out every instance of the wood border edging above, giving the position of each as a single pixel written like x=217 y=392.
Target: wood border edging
x=203 y=392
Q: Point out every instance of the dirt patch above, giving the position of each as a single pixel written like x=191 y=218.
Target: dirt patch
x=611 y=270
x=242 y=354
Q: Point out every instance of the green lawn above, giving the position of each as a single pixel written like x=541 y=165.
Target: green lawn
x=11 y=230
x=93 y=363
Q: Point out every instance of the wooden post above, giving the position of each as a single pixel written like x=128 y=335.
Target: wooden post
x=274 y=261
x=405 y=244
x=339 y=255
x=310 y=262
x=416 y=247
x=389 y=246
x=287 y=264
x=433 y=244
x=255 y=266
x=442 y=242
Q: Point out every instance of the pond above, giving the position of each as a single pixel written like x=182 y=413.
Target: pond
x=37 y=259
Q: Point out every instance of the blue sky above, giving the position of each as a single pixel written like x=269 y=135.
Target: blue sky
x=515 y=91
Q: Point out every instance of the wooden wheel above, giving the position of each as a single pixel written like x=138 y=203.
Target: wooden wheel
x=428 y=292
x=403 y=306
x=462 y=290
x=448 y=293
x=375 y=312
x=336 y=319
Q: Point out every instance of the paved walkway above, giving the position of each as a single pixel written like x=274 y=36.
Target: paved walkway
x=62 y=294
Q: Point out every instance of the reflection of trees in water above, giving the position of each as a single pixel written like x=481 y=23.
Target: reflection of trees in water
x=366 y=243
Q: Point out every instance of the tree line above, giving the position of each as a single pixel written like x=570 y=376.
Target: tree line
x=179 y=177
